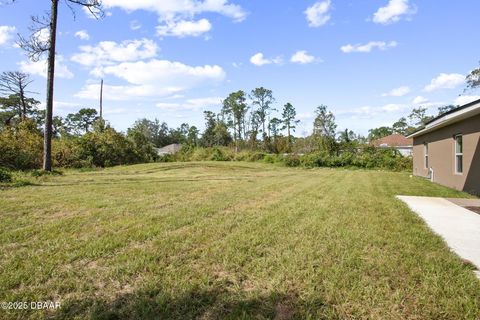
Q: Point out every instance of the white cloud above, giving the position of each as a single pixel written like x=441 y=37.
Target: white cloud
x=258 y=59
x=191 y=104
x=393 y=12
x=82 y=34
x=461 y=100
x=445 y=81
x=174 y=9
x=154 y=78
x=302 y=57
x=40 y=68
x=397 y=92
x=317 y=15
x=392 y=107
x=420 y=100
x=6 y=33
x=381 y=45
x=184 y=28
x=109 y=52
x=165 y=72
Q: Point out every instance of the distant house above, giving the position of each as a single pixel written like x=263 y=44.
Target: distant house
x=447 y=149
x=396 y=141
x=170 y=149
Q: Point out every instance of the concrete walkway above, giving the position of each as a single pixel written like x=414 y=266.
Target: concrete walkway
x=459 y=227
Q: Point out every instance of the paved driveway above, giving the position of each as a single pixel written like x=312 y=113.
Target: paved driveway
x=459 y=227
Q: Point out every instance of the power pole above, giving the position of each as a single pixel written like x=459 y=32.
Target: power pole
x=101 y=99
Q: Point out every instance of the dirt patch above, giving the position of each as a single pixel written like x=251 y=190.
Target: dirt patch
x=474 y=209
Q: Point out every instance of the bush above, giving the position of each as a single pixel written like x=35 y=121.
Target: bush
x=5 y=175
x=21 y=147
x=292 y=160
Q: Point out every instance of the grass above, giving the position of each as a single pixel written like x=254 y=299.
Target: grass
x=228 y=241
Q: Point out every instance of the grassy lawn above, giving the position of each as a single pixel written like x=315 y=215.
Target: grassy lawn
x=228 y=240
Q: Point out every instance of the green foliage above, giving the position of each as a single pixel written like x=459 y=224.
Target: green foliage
x=292 y=160
x=473 y=79
x=21 y=147
x=378 y=133
x=106 y=148
x=82 y=121
x=5 y=175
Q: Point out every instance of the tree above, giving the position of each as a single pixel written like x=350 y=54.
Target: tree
x=82 y=121
x=12 y=107
x=36 y=48
x=192 y=136
x=289 y=121
x=208 y=137
x=418 y=117
x=324 y=129
x=401 y=126
x=263 y=99
x=473 y=79
x=275 y=125
x=445 y=109
x=324 y=123
x=380 y=132
x=16 y=83
x=235 y=109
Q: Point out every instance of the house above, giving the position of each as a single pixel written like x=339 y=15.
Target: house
x=447 y=149
x=396 y=141
x=170 y=149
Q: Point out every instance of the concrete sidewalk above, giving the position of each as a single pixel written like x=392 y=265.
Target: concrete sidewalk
x=459 y=227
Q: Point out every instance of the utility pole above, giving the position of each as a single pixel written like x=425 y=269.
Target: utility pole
x=101 y=99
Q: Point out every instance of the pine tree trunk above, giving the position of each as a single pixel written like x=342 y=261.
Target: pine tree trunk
x=47 y=146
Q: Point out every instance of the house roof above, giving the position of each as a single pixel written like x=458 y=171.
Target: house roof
x=170 y=149
x=393 y=140
x=458 y=114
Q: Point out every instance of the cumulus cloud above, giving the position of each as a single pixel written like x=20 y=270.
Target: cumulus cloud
x=318 y=14
x=110 y=52
x=184 y=28
x=40 y=68
x=259 y=60
x=169 y=9
x=6 y=33
x=153 y=78
x=461 y=100
x=393 y=12
x=368 y=47
x=420 y=100
x=302 y=57
x=445 y=81
x=397 y=92
x=82 y=35
x=176 y=17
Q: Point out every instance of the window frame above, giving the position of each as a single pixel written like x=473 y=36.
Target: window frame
x=425 y=155
x=457 y=154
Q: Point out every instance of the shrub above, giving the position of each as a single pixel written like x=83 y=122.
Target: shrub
x=21 y=147
x=5 y=175
x=292 y=160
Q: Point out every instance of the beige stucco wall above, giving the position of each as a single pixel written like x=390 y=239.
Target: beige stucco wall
x=441 y=149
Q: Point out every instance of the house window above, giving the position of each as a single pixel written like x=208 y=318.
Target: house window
x=458 y=154
x=425 y=148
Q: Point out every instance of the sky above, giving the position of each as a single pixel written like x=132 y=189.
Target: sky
x=370 y=62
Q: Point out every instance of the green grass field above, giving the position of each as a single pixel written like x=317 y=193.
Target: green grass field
x=228 y=240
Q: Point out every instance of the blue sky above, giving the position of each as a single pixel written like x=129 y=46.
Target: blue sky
x=370 y=62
